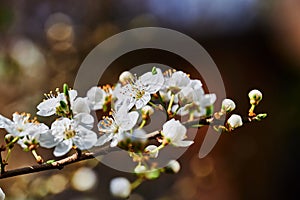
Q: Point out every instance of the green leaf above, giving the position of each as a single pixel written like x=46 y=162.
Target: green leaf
x=50 y=161
x=154 y=71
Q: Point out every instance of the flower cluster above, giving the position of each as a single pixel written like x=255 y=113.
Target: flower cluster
x=127 y=108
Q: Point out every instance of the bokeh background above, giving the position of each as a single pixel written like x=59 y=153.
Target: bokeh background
x=255 y=44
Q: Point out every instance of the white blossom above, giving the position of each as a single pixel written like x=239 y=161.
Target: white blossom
x=138 y=93
x=147 y=110
x=152 y=151
x=174 y=83
x=49 y=106
x=175 y=133
x=235 y=121
x=121 y=121
x=177 y=81
x=33 y=138
x=255 y=96
x=21 y=125
x=227 y=105
x=193 y=100
x=120 y=187
x=68 y=132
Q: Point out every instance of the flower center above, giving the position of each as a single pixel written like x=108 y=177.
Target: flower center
x=20 y=129
x=108 y=125
x=69 y=133
x=139 y=94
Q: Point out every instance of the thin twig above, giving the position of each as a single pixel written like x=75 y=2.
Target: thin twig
x=74 y=158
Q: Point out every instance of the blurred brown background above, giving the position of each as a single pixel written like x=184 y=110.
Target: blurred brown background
x=255 y=44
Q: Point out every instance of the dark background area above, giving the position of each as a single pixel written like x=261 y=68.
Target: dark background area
x=255 y=44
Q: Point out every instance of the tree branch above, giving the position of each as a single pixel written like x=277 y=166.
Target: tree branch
x=74 y=158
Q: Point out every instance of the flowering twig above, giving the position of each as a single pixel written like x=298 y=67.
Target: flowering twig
x=131 y=102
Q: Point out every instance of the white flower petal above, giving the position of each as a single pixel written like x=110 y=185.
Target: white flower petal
x=104 y=139
x=2 y=194
x=72 y=94
x=5 y=122
x=145 y=99
x=48 y=107
x=115 y=141
x=48 y=140
x=80 y=105
x=152 y=82
x=139 y=104
x=85 y=139
x=179 y=79
x=183 y=143
x=85 y=120
x=96 y=98
x=208 y=100
x=176 y=133
x=128 y=121
x=63 y=148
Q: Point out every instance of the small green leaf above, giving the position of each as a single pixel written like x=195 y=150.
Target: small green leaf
x=209 y=110
x=66 y=89
x=63 y=105
x=154 y=71
x=50 y=161
x=261 y=116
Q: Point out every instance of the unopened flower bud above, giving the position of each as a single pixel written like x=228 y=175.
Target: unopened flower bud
x=120 y=187
x=147 y=111
x=126 y=77
x=151 y=149
x=66 y=89
x=255 y=97
x=140 y=169
x=173 y=167
x=2 y=195
x=235 y=121
x=227 y=105
x=8 y=138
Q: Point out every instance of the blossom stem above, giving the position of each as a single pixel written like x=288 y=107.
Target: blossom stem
x=12 y=142
x=159 y=147
x=251 y=110
x=171 y=103
x=142 y=124
x=152 y=104
x=162 y=103
x=67 y=95
x=136 y=183
x=37 y=157
x=175 y=113
x=8 y=155
x=191 y=118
